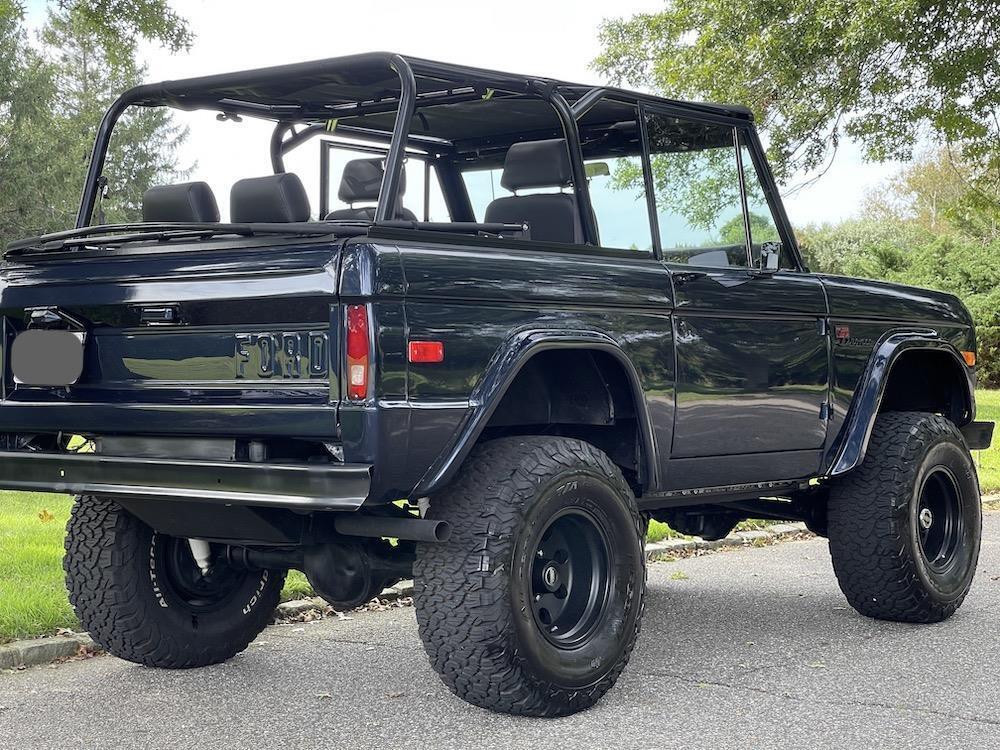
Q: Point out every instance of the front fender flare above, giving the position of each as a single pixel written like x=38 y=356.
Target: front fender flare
x=500 y=374
x=848 y=451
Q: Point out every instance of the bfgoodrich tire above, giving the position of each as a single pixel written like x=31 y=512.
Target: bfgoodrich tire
x=144 y=599
x=533 y=605
x=905 y=526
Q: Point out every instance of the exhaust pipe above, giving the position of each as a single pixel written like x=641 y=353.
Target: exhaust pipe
x=411 y=529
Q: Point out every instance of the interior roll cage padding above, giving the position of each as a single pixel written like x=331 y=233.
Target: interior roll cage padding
x=317 y=93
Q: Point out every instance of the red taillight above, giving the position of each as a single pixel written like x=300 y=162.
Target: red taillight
x=358 y=352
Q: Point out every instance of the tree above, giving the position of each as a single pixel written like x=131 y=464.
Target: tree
x=54 y=94
x=884 y=72
x=117 y=25
x=935 y=194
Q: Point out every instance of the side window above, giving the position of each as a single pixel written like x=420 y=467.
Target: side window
x=698 y=203
x=763 y=228
x=618 y=196
x=423 y=196
x=354 y=181
x=483 y=186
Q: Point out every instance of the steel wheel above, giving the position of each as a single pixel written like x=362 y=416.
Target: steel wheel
x=940 y=525
x=184 y=580
x=570 y=579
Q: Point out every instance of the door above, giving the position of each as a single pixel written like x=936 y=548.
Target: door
x=752 y=352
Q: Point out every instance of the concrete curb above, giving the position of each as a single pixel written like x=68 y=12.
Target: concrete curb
x=672 y=547
x=20 y=654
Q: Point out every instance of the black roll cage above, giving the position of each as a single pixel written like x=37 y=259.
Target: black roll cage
x=458 y=84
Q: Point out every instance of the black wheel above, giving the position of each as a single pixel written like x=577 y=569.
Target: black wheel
x=905 y=526
x=533 y=605
x=145 y=598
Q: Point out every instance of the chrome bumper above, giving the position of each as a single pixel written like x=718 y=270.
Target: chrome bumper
x=301 y=486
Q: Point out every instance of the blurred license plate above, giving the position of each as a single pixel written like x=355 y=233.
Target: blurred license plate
x=42 y=357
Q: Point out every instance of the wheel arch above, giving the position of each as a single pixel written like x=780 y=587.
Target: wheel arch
x=887 y=385
x=510 y=362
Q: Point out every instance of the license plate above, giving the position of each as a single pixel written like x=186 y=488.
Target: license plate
x=42 y=357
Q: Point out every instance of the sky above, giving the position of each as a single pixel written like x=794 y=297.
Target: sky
x=556 y=39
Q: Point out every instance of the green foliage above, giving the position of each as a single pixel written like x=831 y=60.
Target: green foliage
x=902 y=251
x=116 y=25
x=54 y=94
x=762 y=229
x=884 y=72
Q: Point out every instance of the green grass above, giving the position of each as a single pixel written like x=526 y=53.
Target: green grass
x=32 y=595
x=33 y=599
x=988 y=461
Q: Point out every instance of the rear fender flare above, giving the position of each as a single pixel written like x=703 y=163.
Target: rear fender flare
x=501 y=373
x=848 y=450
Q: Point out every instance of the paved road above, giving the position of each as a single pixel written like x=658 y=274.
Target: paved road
x=754 y=648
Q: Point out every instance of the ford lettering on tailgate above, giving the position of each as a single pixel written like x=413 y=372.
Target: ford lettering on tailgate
x=292 y=355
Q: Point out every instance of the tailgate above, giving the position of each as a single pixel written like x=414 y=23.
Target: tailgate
x=208 y=339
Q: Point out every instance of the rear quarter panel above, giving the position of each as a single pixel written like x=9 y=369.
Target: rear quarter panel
x=476 y=298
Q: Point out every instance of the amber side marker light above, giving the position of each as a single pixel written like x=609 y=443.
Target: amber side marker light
x=970 y=358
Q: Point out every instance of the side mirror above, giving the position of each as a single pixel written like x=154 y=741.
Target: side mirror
x=770 y=256
x=597 y=169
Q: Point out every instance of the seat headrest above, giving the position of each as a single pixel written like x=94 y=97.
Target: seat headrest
x=362 y=180
x=535 y=164
x=188 y=202
x=277 y=198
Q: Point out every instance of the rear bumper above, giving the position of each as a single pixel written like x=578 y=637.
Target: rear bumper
x=298 y=486
x=978 y=435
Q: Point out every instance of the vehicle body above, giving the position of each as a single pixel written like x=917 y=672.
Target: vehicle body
x=269 y=388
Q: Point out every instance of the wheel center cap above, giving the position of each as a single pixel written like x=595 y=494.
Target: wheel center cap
x=926 y=518
x=550 y=577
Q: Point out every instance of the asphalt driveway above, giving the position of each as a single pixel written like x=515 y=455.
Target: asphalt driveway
x=752 y=648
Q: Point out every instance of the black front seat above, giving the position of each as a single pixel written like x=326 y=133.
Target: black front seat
x=360 y=183
x=551 y=217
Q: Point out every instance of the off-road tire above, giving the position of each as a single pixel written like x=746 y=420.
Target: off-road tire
x=875 y=528
x=114 y=574
x=473 y=593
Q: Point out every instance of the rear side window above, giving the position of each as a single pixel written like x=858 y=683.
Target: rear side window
x=483 y=186
x=618 y=197
x=698 y=203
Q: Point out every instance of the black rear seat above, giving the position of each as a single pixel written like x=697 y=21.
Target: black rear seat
x=190 y=202
x=274 y=199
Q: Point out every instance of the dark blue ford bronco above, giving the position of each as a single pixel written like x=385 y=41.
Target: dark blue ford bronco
x=589 y=310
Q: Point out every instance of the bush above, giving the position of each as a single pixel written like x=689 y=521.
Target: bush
x=906 y=253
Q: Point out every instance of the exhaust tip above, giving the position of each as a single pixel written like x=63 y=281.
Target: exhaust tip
x=442 y=531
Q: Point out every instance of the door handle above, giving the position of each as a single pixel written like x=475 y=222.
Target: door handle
x=686 y=277
x=160 y=315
